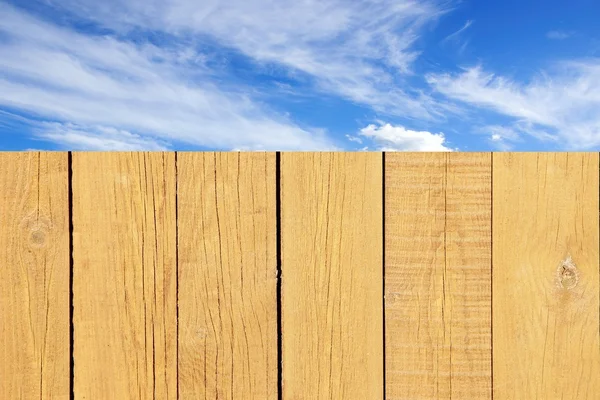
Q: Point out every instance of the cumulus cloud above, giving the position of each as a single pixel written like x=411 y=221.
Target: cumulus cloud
x=163 y=93
x=560 y=105
x=388 y=137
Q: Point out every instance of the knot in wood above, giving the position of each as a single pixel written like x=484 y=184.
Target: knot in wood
x=567 y=274
x=35 y=230
x=37 y=238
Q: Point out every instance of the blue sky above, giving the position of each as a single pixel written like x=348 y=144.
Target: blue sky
x=427 y=75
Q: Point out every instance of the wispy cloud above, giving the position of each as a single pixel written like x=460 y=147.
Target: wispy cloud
x=455 y=35
x=354 y=139
x=164 y=93
x=559 y=35
x=71 y=136
x=146 y=74
x=501 y=137
x=560 y=105
x=360 y=50
x=389 y=137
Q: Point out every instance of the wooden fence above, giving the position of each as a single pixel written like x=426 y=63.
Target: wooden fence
x=299 y=276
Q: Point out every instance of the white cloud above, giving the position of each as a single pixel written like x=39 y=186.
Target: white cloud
x=361 y=50
x=354 y=139
x=71 y=136
x=397 y=138
x=559 y=35
x=101 y=81
x=559 y=105
x=501 y=137
x=455 y=35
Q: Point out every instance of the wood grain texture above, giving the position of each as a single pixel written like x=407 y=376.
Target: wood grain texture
x=438 y=275
x=468 y=274
x=124 y=276
x=545 y=276
x=34 y=276
x=227 y=276
x=417 y=363
x=332 y=253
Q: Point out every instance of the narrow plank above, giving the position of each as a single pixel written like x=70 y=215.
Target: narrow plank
x=227 y=276
x=468 y=274
x=416 y=360
x=438 y=275
x=545 y=276
x=332 y=253
x=124 y=275
x=34 y=276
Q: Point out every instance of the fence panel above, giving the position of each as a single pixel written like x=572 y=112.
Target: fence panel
x=227 y=275
x=124 y=276
x=404 y=276
x=545 y=276
x=34 y=276
x=332 y=254
x=438 y=275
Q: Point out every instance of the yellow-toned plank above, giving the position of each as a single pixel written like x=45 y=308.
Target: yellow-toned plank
x=332 y=253
x=227 y=276
x=34 y=276
x=438 y=275
x=124 y=275
x=545 y=276
x=468 y=274
x=417 y=364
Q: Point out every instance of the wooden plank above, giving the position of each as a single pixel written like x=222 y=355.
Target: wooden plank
x=124 y=275
x=545 y=276
x=438 y=275
x=34 y=276
x=468 y=274
x=332 y=253
x=227 y=276
x=416 y=360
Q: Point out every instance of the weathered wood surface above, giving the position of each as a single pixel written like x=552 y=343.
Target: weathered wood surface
x=545 y=279
x=332 y=254
x=438 y=275
x=227 y=276
x=34 y=276
x=303 y=275
x=124 y=276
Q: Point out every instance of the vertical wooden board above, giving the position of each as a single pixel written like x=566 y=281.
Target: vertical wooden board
x=124 y=275
x=467 y=308
x=545 y=276
x=227 y=276
x=332 y=253
x=34 y=276
x=438 y=275
x=417 y=363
